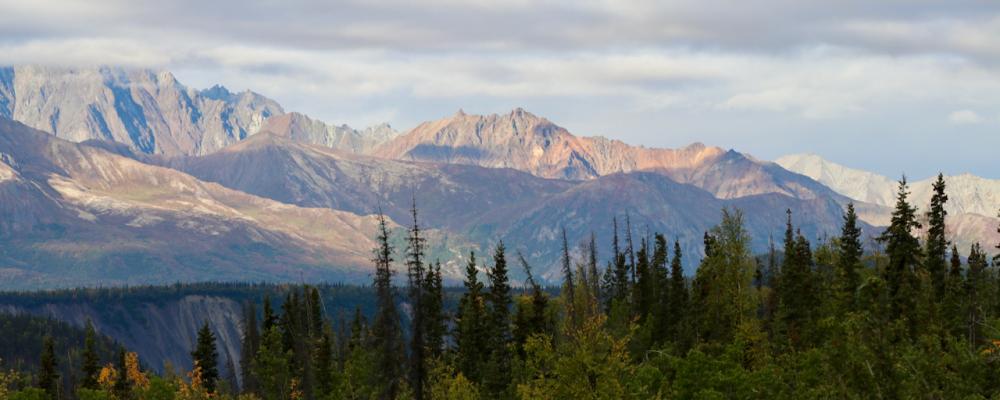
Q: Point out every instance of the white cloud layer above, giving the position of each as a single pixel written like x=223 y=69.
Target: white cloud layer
x=965 y=117
x=770 y=77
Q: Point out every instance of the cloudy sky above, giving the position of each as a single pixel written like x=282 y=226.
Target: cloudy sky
x=892 y=86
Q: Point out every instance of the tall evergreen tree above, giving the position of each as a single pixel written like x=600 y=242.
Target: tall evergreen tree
x=386 y=332
x=643 y=290
x=568 y=281
x=677 y=307
x=270 y=319
x=250 y=344
x=48 y=372
x=272 y=366
x=415 y=271
x=956 y=263
x=937 y=243
x=593 y=275
x=976 y=291
x=620 y=283
x=206 y=356
x=315 y=316
x=470 y=334
x=903 y=250
x=326 y=367
x=952 y=309
x=497 y=376
x=434 y=314
x=849 y=259
x=661 y=287
x=91 y=364
x=630 y=251
x=289 y=322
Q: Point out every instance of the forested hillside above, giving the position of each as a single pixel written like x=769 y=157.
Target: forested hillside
x=23 y=339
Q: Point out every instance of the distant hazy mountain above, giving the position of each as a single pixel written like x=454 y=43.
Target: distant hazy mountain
x=856 y=184
x=303 y=129
x=973 y=202
x=152 y=113
x=73 y=214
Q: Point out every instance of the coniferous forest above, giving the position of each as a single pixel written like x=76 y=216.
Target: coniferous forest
x=908 y=315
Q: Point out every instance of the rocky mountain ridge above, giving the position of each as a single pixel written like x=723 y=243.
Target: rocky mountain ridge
x=152 y=113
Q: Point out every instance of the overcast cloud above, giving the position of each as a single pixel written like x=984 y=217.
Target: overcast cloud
x=892 y=86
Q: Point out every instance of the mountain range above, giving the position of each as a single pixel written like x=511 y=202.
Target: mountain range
x=973 y=202
x=112 y=176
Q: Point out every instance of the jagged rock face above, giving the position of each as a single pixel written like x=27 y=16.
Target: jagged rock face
x=523 y=141
x=303 y=129
x=149 y=111
x=79 y=215
x=972 y=206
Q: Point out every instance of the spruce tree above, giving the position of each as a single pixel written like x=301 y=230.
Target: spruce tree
x=956 y=263
x=903 y=250
x=415 y=271
x=272 y=366
x=661 y=287
x=568 y=281
x=470 y=334
x=592 y=273
x=608 y=287
x=289 y=322
x=316 y=315
x=206 y=356
x=434 y=315
x=937 y=244
x=620 y=285
x=48 y=372
x=630 y=251
x=497 y=376
x=360 y=334
x=249 y=346
x=678 y=304
x=849 y=259
x=954 y=299
x=270 y=319
x=386 y=332
x=976 y=301
x=91 y=364
x=325 y=365
x=643 y=290
x=795 y=288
